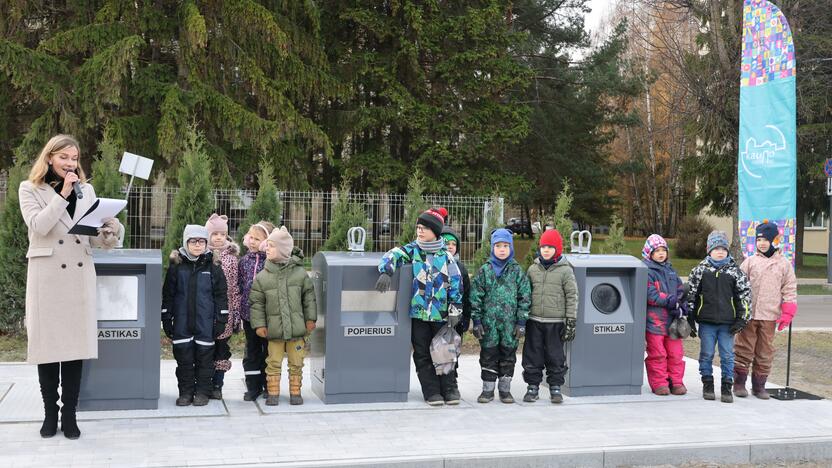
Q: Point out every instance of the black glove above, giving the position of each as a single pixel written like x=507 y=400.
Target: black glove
x=383 y=283
x=519 y=331
x=167 y=326
x=219 y=329
x=692 y=329
x=478 y=331
x=568 y=333
x=737 y=326
x=466 y=324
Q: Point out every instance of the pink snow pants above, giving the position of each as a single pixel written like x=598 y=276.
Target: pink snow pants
x=665 y=361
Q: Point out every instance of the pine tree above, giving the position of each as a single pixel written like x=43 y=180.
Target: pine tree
x=414 y=205
x=559 y=220
x=107 y=180
x=194 y=202
x=266 y=205
x=490 y=221
x=14 y=242
x=615 y=239
x=345 y=215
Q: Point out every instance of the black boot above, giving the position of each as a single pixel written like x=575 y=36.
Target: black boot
x=218 y=380
x=254 y=387
x=708 y=387
x=48 y=378
x=726 y=395
x=70 y=388
x=532 y=392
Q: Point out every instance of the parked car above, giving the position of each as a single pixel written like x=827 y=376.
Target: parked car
x=520 y=226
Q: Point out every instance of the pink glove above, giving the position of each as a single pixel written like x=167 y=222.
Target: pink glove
x=787 y=313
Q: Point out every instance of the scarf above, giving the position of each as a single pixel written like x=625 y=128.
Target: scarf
x=188 y=255
x=547 y=263
x=719 y=263
x=431 y=247
x=57 y=183
x=769 y=252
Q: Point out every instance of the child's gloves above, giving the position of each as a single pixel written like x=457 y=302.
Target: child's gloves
x=262 y=332
x=466 y=324
x=568 y=333
x=787 y=312
x=454 y=314
x=738 y=326
x=692 y=329
x=519 y=331
x=478 y=331
x=219 y=328
x=683 y=307
x=672 y=299
x=310 y=325
x=167 y=326
x=383 y=283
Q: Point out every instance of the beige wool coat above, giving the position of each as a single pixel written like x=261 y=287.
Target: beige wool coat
x=61 y=319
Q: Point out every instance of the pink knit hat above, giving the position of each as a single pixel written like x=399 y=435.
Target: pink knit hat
x=652 y=243
x=217 y=223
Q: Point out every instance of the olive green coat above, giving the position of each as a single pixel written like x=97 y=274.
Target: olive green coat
x=554 y=292
x=282 y=299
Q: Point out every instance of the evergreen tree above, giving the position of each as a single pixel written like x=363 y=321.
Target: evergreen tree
x=107 y=180
x=491 y=221
x=345 y=215
x=14 y=242
x=615 y=240
x=414 y=205
x=559 y=220
x=194 y=202
x=266 y=205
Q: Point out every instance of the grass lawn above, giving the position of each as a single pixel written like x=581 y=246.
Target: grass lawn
x=813 y=289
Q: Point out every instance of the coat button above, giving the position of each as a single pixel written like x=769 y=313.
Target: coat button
x=63 y=265
x=80 y=264
x=61 y=241
x=77 y=241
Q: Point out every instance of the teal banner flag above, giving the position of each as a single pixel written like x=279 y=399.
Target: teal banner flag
x=767 y=167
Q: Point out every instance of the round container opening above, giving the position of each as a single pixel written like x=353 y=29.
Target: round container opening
x=605 y=298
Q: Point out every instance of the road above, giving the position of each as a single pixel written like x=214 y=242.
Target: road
x=814 y=312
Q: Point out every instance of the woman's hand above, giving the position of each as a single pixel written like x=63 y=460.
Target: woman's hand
x=69 y=179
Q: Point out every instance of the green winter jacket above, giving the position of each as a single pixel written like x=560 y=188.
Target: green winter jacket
x=554 y=292
x=505 y=298
x=282 y=299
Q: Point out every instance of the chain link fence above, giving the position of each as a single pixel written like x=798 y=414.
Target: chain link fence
x=307 y=216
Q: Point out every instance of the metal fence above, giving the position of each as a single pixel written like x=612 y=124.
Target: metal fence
x=307 y=216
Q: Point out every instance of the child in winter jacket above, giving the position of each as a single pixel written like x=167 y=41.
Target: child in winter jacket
x=665 y=361
x=452 y=243
x=720 y=301
x=774 y=304
x=194 y=313
x=226 y=251
x=500 y=300
x=254 y=359
x=436 y=299
x=552 y=318
x=283 y=310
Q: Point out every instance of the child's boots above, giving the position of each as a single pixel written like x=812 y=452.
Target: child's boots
x=219 y=378
x=487 y=392
x=531 y=393
x=272 y=390
x=740 y=376
x=504 y=388
x=555 y=396
x=726 y=395
x=708 y=387
x=758 y=386
x=294 y=390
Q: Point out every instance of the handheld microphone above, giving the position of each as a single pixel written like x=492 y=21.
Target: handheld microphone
x=76 y=187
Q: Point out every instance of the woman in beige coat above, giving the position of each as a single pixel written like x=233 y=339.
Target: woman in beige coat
x=60 y=282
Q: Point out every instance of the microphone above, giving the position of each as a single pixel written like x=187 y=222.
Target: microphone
x=76 y=187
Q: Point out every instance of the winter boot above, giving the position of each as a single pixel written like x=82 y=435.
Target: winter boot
x=725 y=391
x=48 y=377
x=662 y=391
x=254 y=388
x=70 y=389
x=531 y=393
x=272 y=390
x=504 y=387
x=678 y=389
x=435 y=400
x=740 y=376
x=219 y=378
x=294 y=390
x=555 y=396
x=451 y=394
x=487 y=392
x=708 y=387
x=184 y=399
x=200 y=399
x=758 y=386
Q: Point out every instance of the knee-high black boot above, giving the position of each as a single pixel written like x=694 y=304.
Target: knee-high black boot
x=48 y=378
x=70 y=388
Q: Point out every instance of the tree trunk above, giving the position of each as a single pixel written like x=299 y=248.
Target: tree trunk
x=657 y=210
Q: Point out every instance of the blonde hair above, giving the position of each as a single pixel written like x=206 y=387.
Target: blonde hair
x=55 y=144
x=267 y=226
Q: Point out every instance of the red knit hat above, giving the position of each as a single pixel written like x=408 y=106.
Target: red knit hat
x=552 y=238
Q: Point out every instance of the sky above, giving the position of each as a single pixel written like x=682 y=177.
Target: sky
x=600 y=8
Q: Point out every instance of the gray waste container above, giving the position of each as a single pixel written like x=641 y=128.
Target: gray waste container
x=129 y=300
x=360 y=350
x=607 y=355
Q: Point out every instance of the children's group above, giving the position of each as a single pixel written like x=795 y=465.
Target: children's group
x=210 y=292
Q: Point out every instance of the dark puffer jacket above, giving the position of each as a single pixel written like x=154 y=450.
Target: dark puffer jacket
x=194 y=297
x=720 y=296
